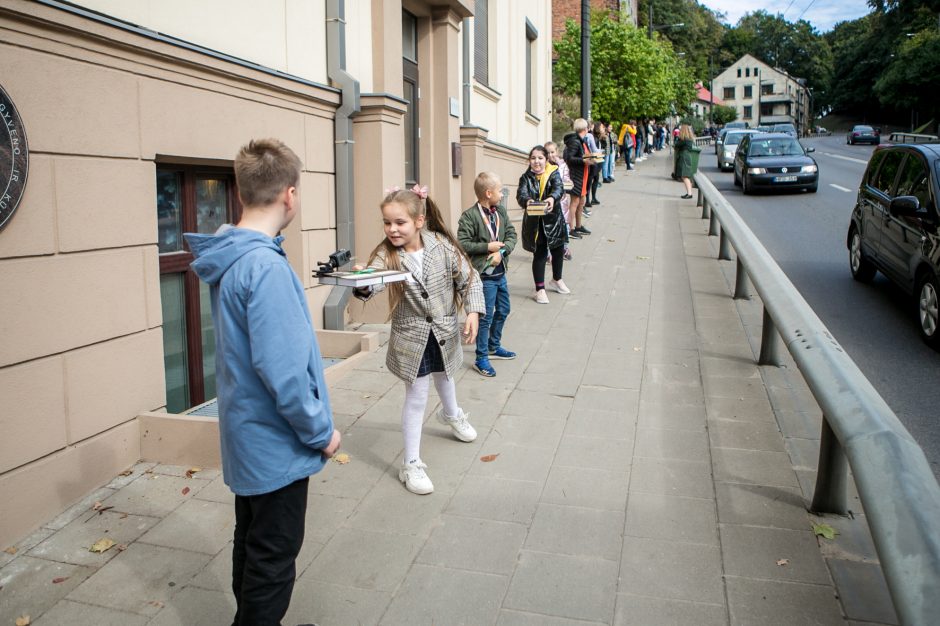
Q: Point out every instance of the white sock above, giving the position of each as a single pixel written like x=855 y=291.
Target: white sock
x=412 y=416
x=447 y=391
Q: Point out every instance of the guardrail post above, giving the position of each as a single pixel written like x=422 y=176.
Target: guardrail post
x=706 y=208
x=724 y=246
x=831 y=474
x=701 y=198
x=769 y=342
x=741 y=291
x=713 y=226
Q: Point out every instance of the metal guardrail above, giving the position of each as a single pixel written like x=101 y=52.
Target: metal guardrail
x=898 y=490
x=704 y=140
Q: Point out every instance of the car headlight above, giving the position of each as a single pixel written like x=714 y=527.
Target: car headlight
x=756 y=170
x=809 y=169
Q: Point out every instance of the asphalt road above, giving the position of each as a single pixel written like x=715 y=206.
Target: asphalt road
x=876 y=323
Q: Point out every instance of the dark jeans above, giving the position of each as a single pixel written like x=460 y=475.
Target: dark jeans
x=496 y=296
x=269 y=532
x=541 y=255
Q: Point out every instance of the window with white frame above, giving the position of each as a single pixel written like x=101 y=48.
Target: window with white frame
x=481 y=42
x=531 y=54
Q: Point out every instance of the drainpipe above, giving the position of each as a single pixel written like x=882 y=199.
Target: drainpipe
x=466 y=71
x=334 y=310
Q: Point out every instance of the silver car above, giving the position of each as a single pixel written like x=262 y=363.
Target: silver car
x=726 y=152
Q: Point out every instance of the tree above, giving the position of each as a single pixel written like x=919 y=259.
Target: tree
x=722 y=114
x=699 y=36
x=631 y=75
x=912 y=75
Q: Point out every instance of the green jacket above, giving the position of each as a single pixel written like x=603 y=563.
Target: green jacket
x=474 y=235
x=686 y=162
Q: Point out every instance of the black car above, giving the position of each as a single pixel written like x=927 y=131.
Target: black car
x=863 y=134
x=894 y=226
x=774 y=161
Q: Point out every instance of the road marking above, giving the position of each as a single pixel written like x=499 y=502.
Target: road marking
x=845 y=158
x=840 y=188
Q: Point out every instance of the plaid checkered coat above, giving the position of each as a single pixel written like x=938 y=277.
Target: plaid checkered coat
x=428 y=304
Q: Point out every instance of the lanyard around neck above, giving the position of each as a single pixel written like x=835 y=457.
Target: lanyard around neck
x=494 y=233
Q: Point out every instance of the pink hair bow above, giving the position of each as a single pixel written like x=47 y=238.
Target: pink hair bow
x=392 y=190
x=421 y=191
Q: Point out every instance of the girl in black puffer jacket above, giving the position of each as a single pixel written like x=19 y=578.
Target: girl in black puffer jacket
x=543 y=234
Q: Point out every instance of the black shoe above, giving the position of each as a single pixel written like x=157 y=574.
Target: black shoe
x=574 y=233
x=588 y=203
x=595 y=201
x=686 y=196
x=582 y=230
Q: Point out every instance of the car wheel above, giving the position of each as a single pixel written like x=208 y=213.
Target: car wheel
x=744 y=186
x=927 y=294
x=862 y=269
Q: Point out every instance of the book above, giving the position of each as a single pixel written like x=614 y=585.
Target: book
x=361 y=278
x=536 y=208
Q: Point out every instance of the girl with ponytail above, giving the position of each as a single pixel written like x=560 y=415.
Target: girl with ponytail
x=424 y=342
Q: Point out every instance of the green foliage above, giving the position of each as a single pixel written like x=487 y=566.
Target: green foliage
x=880 y=71
x=701 y=32
x=722 y=114
x=697 y=124
x=631 y=76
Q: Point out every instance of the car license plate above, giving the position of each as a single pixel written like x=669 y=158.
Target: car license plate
x=784 y=179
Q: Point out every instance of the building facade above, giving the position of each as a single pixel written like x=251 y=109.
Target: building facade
x=704 y=101
x=764 y=95
x=564 y=10
x=134 y=112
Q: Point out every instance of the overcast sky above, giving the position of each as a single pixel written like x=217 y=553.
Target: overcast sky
x=823 y=14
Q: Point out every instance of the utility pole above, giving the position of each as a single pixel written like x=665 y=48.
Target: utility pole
x=711 y=93
x=649 y=25
x=586 y=59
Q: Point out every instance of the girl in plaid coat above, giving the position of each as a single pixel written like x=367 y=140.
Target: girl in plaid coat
x=424 y=343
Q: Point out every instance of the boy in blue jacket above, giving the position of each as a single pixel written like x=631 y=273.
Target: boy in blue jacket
x=275 y=421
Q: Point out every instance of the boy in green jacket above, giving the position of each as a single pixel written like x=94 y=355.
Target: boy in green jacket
x=488 y=237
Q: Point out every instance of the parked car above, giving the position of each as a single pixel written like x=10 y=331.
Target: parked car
x=774 y=161
x=863 y=134
x=894 y=227
x=731 y=125
x=730 y=145
x=787 y=129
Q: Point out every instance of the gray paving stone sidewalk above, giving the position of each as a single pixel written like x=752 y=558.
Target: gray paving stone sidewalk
x=646 y=471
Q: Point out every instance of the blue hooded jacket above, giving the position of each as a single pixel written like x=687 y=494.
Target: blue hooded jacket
x=274 y=411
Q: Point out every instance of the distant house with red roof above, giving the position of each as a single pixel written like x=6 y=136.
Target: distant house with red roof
x=704 y=100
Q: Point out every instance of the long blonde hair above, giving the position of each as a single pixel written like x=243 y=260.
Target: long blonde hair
x=433 y=221
x=685 y=132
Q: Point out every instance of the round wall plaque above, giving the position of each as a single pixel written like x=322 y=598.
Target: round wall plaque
x=14 y=158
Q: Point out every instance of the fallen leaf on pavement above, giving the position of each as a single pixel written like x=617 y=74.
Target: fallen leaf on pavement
x=10 y=550
x=342 y=458
x=637 y=348
x=611 y=240
x=22 y=620
x=192 y=470
x=126 y=473
x=185 y=490
x=123 y=515
x=104 y=508
x=101 y=545
x=783 y=562
x=367 y=396
x=825 y=530
x=122 y=547
x=489 y=458
x=642 y=258
x=156 y=603
x=96 y=506
x=60 y=579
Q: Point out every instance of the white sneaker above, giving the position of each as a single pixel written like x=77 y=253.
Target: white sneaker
x=541 y=297
x=415 y=478
x=460 y=425
x=559 y=286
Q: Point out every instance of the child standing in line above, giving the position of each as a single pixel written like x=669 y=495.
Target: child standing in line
x=488 y=237
x=424 y=342
x=275 y=423
x=552 y=148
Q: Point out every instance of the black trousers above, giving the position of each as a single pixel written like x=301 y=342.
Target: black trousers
x=541 y=255
x=269 y=532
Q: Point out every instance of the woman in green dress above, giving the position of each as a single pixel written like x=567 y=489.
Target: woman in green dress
x=685 y=166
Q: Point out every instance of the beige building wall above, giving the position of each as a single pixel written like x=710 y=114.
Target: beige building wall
x=81 y=352
x=285 y=35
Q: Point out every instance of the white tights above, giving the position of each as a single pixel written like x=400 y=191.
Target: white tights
x=416 y=399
